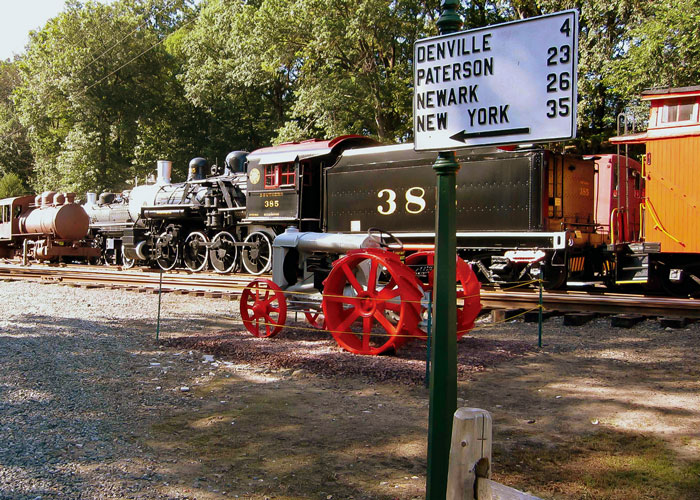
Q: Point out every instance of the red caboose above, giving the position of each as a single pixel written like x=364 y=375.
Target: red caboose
x=617 y=203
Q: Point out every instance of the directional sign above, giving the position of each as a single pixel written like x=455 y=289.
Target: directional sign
x=503 y=84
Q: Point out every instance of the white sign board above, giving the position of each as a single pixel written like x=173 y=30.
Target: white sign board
x=503 y=84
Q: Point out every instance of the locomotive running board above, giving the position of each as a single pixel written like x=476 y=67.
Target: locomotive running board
x=501 y=240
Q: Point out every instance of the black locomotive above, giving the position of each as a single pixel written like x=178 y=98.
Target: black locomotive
x=521 y=214
x=194 y=223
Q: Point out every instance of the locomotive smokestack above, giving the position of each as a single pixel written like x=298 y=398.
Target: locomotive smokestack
x=165 y=168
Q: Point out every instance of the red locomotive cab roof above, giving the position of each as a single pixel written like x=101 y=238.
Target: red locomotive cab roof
x=674 y=112
x=288 y=152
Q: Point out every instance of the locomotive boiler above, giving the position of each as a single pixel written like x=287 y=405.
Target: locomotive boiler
x=49 y=226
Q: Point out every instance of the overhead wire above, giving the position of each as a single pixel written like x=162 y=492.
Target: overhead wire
x=133 y=59
x=124 y=38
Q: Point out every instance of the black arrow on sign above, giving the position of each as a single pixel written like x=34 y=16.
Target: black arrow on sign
x=462 y=135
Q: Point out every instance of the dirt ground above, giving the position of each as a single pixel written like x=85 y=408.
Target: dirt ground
x=597 y=412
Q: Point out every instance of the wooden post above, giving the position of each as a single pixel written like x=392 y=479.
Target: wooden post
x=470 y=460
x=470 y=452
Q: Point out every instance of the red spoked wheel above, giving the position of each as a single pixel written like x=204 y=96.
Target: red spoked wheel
x=315 y=319
x=371 y=302
x=263 y=308
x=468 y=297
x=468 y=292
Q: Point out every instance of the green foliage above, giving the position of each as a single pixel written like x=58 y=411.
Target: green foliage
x=88 y=99
x=15 y=153
x=663 y=49
x=11 y=185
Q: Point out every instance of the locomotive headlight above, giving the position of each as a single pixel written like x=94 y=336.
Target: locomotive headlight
x=254 y=176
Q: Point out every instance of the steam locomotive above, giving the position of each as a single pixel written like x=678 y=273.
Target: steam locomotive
x=48 y=227
x=194 y=223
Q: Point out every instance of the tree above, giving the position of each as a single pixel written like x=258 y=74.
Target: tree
x=88 y=100
x=11 y=185
x=662 y=49
x=15 y=153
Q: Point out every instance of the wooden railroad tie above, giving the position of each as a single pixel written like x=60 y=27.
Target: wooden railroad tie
x=671 y=322
x=626 y=320
x=577 y=319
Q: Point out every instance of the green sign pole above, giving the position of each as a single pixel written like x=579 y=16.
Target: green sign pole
x=443 y=378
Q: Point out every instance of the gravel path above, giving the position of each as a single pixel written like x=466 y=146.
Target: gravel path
x=81 y=379
x=92 y=407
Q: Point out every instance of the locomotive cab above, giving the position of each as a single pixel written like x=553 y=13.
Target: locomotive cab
x=285 y=181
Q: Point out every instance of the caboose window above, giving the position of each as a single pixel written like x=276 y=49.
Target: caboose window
x=287 y=175
x=678 y=111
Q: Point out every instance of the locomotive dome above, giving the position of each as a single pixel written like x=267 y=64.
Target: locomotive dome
x=197 y=169
x=235 y=161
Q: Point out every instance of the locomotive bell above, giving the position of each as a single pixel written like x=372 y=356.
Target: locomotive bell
x=198 y=169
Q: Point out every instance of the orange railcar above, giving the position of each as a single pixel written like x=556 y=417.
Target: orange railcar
x=671 y=206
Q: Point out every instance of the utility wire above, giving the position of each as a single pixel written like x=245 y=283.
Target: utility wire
x=124 y=38
x=133 y=59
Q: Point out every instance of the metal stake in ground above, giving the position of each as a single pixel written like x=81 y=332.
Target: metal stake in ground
x=443 y=379
x=160 y=293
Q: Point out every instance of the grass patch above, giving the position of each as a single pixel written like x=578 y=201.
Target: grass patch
x=606 y=465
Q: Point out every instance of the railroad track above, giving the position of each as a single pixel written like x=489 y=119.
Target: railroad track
x=231 y=285
x=141 y=279
x=593 y=302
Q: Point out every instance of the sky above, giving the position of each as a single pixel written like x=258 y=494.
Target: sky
x=19 y=17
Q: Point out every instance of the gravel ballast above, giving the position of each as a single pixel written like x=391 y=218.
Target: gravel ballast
x=93 y=407
x=80 y=378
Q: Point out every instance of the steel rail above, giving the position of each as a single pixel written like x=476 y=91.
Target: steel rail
x=592 y=302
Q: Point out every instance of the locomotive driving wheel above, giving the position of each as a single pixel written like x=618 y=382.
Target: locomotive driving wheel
x=263 y=308
x=468 y=288
x=127 y=263
x=224 y=252
x=166 y=251
x=257 y=256
x=195 y=253
x=371 y=302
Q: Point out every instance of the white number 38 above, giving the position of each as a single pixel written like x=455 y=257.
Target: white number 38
x=415 y=201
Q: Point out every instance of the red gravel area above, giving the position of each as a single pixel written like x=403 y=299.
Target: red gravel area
x=318 y=353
